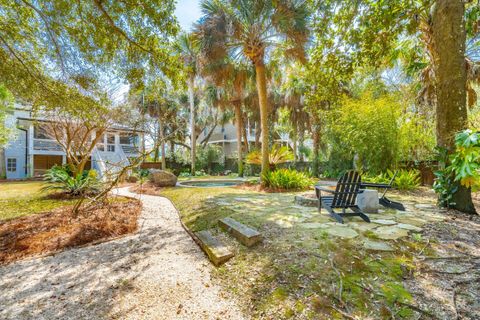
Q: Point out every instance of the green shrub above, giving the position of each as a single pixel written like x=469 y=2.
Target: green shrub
x=406 y=179
x=59 y=178
x=208 y=156
x=462 y=167
x=286 y=179
x=277 y=155
x=380 y=178
x=184 y=174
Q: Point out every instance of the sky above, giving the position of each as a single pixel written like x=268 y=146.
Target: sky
x=187 y=12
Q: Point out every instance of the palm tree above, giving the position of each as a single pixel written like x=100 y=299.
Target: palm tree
x=295 y=89
x=224 y=72
x=189 y=51
x=251 y=29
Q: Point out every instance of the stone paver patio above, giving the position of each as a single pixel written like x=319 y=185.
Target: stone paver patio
x=387 y=225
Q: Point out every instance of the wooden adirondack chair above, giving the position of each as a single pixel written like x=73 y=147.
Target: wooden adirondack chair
x=344 y=196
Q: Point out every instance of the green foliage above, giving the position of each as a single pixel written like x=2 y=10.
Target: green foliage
x=465 y=162
x=286 y=179
x=59 y=178
x=444 y=184
x=406 y=179
x=68 y=55
x=208 y=155
x=305 y=151
x=462 y=166
x=6 y=103
x=379 y=178
x=184 y=174
x=376 y=132
x=278 y=154
x=366 y=128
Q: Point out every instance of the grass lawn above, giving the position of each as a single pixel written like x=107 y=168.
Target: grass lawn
x=24 y=198
x=302 y=270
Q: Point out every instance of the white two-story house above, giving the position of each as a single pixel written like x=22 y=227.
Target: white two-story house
x=31 y=152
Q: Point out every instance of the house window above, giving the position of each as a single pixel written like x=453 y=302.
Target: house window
x=110 y=142
x=40 y=132
x=11 y=165
x=101 y=144
x=128 y=138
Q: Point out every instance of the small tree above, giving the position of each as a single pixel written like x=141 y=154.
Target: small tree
x=77 y=133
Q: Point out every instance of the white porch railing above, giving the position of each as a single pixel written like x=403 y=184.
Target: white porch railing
x=46 y=145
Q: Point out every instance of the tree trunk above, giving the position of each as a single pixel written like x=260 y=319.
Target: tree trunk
x=301 y=139
x=316 y=151
x=262 y=97
x=295 y=134
x=156 y=153
x=258 y=132
x=3 y=171
x=239 y=125
x=162 y=144
x=449 y=38
x=193 y=136
x=245 y=137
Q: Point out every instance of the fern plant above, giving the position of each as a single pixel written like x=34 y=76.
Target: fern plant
x=286 y=179
x=406 y=179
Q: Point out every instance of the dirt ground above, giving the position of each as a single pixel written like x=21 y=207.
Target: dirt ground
x=448 y=282
x=59 y=229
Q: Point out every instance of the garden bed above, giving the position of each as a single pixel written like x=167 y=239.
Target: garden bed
x=58 y=229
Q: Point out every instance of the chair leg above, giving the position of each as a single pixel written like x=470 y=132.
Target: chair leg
x=361 y=214
x=334 y=215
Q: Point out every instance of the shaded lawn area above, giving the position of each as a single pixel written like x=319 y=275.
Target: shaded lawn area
x=18 y=199
x=301 y=270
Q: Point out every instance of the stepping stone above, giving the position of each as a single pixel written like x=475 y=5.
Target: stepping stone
x=342 y=232
x=313 y=225
x=283 y=224
x=362 y=226
x=246 y=235
x=217 y=252
x=384 y=222
x=306 y=201
x=412 y=220
x=376 y=245
x=410 y=227
x=390 y=232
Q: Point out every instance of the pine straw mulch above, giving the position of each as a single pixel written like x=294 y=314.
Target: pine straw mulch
x=53 y=231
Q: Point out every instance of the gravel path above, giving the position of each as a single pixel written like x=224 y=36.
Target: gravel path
x=157 y=273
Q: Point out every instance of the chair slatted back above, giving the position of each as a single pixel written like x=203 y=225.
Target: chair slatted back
x=347 y=189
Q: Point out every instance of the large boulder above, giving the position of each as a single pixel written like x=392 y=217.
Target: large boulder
x=162 y=178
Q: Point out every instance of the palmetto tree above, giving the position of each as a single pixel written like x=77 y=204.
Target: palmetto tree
x=232 y=78
x=294 y=90
x=251 y=29
x=189 y=51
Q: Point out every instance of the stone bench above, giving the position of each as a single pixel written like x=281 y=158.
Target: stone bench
x=217 y=252
x=244 y=234
x=367 y=201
